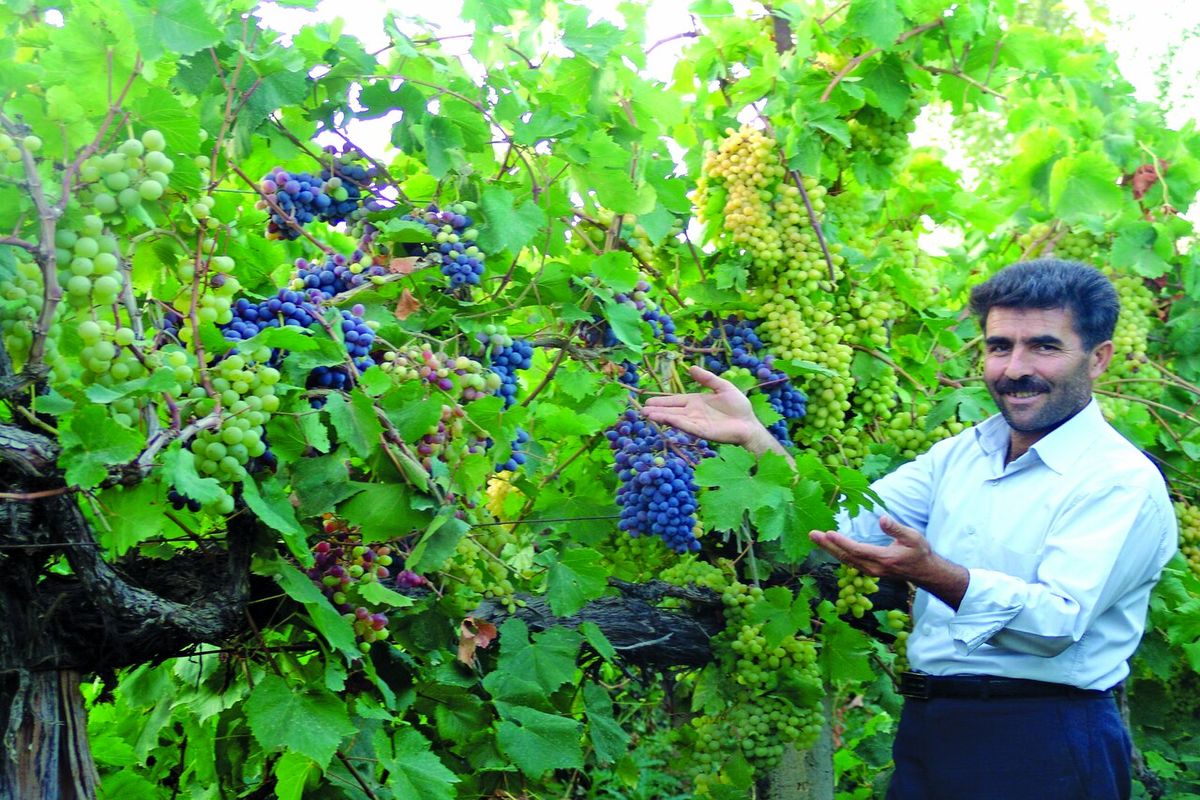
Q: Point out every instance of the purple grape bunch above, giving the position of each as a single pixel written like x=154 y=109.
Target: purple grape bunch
x=180 y=502
x=506 y=357
x=742 y=351
x=656 y=468
x=289 y=308
x=285 y=308
x=336 y=274
x=359 y=337
x=294 y=199
x=660 y=321
x=453 y=246
x=599 y=333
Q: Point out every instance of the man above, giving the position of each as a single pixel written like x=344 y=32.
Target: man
x=1034 y=540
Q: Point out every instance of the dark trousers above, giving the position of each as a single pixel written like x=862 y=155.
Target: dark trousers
x=1041 y=748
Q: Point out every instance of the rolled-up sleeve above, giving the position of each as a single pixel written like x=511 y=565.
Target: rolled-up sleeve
x=1099 y=551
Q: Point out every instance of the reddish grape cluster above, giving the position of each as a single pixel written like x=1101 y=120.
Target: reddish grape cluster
x=342 y=563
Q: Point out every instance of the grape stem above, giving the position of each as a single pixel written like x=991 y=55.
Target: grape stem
x=1051 y=236
x=35 y=495
x=745 y=538
x=163 y=438
x=14 y=241
x=853 y=63
x=48 y=216
x=562 y=354
x=199 y=272
x=1193 y=388
x=884 y=359
x=33 y=420
x=816 y=223
x=821 y=22
x=555 y=473
x=380 y=168
x=270 y=201
x=958 y=73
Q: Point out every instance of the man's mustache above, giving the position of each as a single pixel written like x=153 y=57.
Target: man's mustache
x=1026 y=384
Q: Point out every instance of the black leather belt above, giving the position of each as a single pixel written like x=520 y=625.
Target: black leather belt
x=981 y=687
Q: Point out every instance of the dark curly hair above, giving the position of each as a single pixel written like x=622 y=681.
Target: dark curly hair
x=1053 y=283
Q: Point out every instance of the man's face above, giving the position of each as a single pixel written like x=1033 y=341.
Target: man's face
x=1037 y=369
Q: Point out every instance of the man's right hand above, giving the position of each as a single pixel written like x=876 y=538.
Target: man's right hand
x=722 y=415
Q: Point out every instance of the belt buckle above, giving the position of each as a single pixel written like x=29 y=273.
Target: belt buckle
x=915 y=685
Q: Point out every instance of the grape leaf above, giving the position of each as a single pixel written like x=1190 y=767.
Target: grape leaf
x=274 y=507
x=461 y=717
x=591 y=38
x=549 y=660
x=376 y=593
x=577 y=576
x=615 y=270
x=134 y=514
x=292 y=772
x=415 y=771
x=1083 y=185
x=325 y=618
x=160 y=380
x=91 y=443
x=1134 y=248
x=784 y=615
x=626 y=323
x=411 y=413
x=180 y=465
x=383 y=511
x=538 y=742
x=597 y=640
x=437 y=544
x=444 y=146
x=733 y=490
x=509 y=226
x=299 y=719
x=355 y=421
x=608 y=737
x=179 y=26
x=844 y=656
x=322 y=482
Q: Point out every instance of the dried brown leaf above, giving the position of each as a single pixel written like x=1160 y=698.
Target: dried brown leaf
x=407 y=305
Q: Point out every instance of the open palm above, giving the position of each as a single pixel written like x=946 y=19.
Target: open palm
x=722 y=415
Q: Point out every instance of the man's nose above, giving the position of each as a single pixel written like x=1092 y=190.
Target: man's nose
x=1019 y=364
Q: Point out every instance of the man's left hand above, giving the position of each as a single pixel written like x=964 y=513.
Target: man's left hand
x=909 y=557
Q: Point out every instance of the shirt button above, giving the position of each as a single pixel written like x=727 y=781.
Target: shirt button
x=969 y=530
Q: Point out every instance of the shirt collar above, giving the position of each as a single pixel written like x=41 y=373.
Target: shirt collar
x=1058 y=449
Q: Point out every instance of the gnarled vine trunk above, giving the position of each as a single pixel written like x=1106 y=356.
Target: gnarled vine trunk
x=46 y=752
x=55 y=628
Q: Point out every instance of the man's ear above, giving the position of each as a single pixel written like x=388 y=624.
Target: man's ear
x=1100 y=358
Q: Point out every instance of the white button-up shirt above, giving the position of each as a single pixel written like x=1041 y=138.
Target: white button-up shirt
x=1063 y=546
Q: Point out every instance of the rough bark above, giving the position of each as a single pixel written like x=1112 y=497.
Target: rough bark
x=806 y=774
x=642 y=633
x=32 y=454
x=101 y=617
x=45 y=738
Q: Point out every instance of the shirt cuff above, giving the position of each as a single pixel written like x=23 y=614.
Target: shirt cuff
x=991 y=601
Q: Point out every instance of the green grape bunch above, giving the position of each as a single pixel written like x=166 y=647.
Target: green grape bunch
x=853 y=590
